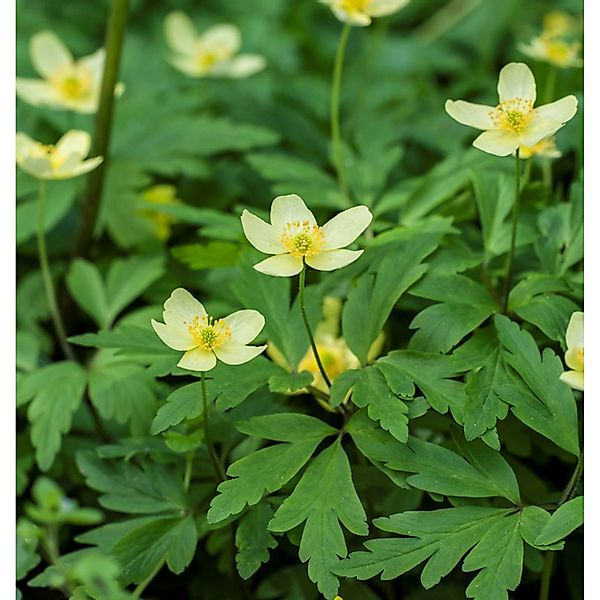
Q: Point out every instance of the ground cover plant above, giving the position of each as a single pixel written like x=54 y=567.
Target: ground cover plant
x=299 y=299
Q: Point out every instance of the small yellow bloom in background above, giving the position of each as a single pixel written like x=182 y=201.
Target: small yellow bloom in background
x=67 y=83
x=361 y=12
x=545 y=148
x=294 y=237
x=205 y=339
x=165 y=194
x=574 y=353
x=513 y=122
x=561 y=23
x=63 y=160
x=210 y=54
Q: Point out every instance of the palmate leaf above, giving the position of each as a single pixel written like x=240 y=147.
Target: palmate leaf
x=442 y=538
x=55 y=391
x=269 y=469
x=537 y=396
x=253 y=541
x=324 y=497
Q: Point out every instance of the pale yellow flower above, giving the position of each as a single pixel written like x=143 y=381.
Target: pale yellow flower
x=67 y=83
x=213 y=53
x=553 y=49
x=294 y=237
x=574 y=353
x=162 y=193
x=560 y=23
x=361 y=12
x=513 y=122
x=61 y=161
x=205 y=339
x=545 y=148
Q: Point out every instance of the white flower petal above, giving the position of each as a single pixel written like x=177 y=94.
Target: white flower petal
x=234 y=354
x=38 y=167
x=180 y=308
x=562 y=110
x=344 y=228
x=354 y=17
x=176 y=338
x=48 y=53
x=381 y=8
x=537 y=130
x=333 y=259
x=516 y=81
x=260 y=234
x=282 y=265
x=198 y=360
x=242 y=65
x=25 y=145
x=180 y=32
x=574 y=336
x=188 y=66
x=67 y=171
x=286 y=209
x=468 y=113
x=223 y=39
x=573 y=379
x=75 y=142
x=245 y=325
x=36 y=92
x=497 y=142
x=574 y=359
x=95 y=64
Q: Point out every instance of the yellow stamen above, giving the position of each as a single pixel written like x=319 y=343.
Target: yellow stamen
x=301 y=238
x=49 y=152
x=72 y=81
x=209 y=333
x=512 y=115
x=354 y=5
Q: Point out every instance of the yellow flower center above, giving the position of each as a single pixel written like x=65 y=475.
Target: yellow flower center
x=513 y=115
x=49 y=152
x=301 y=238
x=209 y=333
x=72 y=81
x=558 y=50
x=580 y=356
x=351 y=6
x=206 y=60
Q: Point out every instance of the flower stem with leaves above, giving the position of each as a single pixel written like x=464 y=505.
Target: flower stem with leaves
x=513 y=237
x=209 y=446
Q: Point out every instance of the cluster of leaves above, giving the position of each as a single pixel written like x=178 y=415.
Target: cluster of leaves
x=457 y=441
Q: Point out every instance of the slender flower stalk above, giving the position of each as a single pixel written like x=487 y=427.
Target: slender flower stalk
x=311 y=337
x=513 y=237
x=48 y=285
x=336 y=138
x=209 y=446
x=115 y=33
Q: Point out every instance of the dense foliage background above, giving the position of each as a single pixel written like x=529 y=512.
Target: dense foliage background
x=490 y=423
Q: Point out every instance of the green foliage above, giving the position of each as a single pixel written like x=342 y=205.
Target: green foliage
x=563 y=521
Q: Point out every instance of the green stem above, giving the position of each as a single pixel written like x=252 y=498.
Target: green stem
x=137 y=593
x=211 y=451
x=115 y=33
x=313 y=345
x=573 y=482
x=546 y=575
x=515 y=218
x=189 y=464
x=336 y=141
x=445 y=19
x=47 y=277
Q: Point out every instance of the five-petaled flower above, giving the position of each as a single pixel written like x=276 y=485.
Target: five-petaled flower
x=360 y=12
x=574 y=353
x=295 y=238
x=513 y=122
x=210 y=54
x=67 y=83
x=187 y=327
x=63 y=160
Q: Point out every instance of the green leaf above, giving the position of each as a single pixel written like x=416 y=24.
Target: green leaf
x=253 y=541
x=371 y=301
x=484 y=405
x=465 y=304
x=495 y=196
x=87 y=288
x=289 y=383
x=324 y=497
x=182 y=404
x=563 y=521
x=538 y=398
x=141 y=550
x=57 y=391
x=440 y=537
x=372 y=391
x=213 y=255
x=152 y=488
x=269 y=469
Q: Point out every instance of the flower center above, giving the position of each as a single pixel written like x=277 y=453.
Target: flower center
x=354 y=5
x=72 y=81
x=512 y=115
x=558 y=50
x=48 y=152
x=209 y=333
x=301 y=238
x=580 y=356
